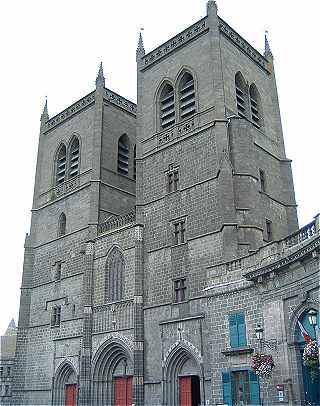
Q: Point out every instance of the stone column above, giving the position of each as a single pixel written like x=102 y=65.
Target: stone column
x=86 y=345
x=138 y=355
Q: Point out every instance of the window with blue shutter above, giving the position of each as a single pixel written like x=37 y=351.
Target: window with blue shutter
x=237 y=330
x=254 y=389
x=226 y=385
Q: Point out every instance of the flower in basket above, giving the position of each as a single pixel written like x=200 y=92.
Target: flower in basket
x=262 y=364
x=311 y=354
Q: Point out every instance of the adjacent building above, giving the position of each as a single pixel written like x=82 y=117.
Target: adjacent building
x=7 y=354
x=163 y=234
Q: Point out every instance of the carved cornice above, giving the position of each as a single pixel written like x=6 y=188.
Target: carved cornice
x=120 y=101
x=86 y=101
x=289 y=259
x=241 y=43
x=70 y=111
x=176 y=42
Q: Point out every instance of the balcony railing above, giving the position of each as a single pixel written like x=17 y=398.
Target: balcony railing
x=66 y=187
x=117 y=222
x=113 y=316
x=301 y=235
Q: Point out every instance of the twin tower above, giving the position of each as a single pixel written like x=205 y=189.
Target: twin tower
x=133 y=207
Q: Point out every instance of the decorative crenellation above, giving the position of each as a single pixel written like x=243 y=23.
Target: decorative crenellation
x=176 y=132
x=120 y=101
x=181 y=39
x=243 y=44
x=117 y=222
x=70 y=111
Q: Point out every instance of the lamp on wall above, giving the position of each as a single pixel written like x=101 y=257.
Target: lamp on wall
x=259 y=334
x=272 y=344
x=312 y=317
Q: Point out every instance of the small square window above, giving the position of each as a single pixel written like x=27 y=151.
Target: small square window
x=179 y=290
x=269 y=230
x=58 y=271
x=173 y=180
x=56 y=316
x=179 y=232
x=262 y=180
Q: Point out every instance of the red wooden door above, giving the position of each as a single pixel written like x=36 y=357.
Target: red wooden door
x=123 y=391
x=129 y=391
x=185 y=391
x=71 y=395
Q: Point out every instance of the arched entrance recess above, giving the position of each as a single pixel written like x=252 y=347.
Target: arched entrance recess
x=183 y=380
x=65 y=390
x=112 y=375
x=310 y=384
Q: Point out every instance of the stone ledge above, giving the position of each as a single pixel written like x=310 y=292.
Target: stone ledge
x=237 y=351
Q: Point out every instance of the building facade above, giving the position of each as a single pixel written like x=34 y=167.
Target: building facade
x=7 y=354
x=163 y=234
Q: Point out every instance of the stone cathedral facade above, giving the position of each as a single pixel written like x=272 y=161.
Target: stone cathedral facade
x=163 y=234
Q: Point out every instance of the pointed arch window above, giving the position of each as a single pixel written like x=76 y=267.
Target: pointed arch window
x=187 y=97
x=114 y=276
x=61 y=164
x=123 y=155
x=62 y=224
x=74 y=155
x=241 y=95
x=255 y=105
x=167 y=108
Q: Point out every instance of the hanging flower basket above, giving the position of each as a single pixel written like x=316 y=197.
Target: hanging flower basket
x=311 y=358
x=262 y=365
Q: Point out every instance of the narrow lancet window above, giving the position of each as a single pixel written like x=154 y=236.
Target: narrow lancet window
x=241 y=95
x=62 y=225
x=167 y=108
x=74 y=156
x=123 y=155
x=187 y=96
x=61 y=165
x=255 y=106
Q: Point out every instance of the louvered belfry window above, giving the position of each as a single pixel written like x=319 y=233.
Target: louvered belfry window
x=255 y=105
x=123 y=155
x=74 y=154
x=241 y=95
x=187 y=96
x=167 y=108
x=61 y=165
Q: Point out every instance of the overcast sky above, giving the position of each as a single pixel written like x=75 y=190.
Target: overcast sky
x=54 y=48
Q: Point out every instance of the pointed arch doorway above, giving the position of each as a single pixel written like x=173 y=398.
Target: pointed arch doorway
x=310 y=382
x=182 y=379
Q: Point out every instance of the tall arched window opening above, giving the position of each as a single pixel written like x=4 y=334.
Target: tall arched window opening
x=74 y=155
x=241 y=95
x=187 y=97
x=255 y=105
x=62 y=224
x=167 y=109
x=123 y=155
x=114 y=275
x=61 y=164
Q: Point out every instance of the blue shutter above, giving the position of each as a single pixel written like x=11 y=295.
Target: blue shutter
x=241 y=330
x=254 y=389
x=226 y=384
x=233 y=331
